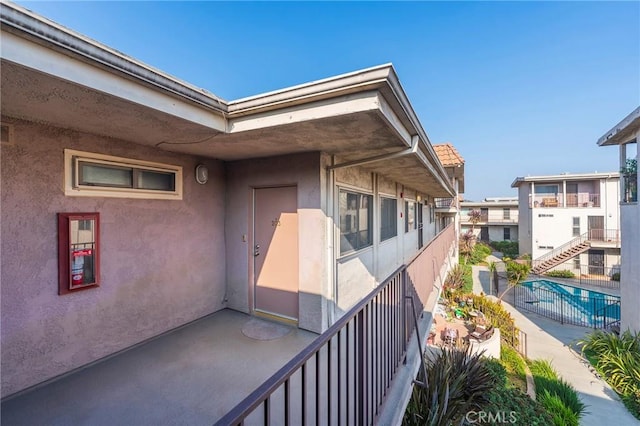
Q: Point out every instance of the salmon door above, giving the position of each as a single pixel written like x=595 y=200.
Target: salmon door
x=275 y=251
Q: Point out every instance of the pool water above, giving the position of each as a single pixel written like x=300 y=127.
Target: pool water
x=566 y=303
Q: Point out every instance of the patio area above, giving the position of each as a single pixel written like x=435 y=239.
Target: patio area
x=191 y=376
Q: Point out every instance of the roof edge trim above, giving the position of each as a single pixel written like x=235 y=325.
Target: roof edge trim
x=22 y=21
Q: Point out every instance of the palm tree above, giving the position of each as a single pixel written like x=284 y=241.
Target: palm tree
x=467 y=241
x=516 y=273
x=475 y=216
x=493 y=277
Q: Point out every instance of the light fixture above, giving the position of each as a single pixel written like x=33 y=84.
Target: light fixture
x=202 y=174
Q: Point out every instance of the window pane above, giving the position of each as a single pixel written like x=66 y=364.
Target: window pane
x=507 y=234
x=506 y=213
x=410 y=215
x=546 y=189
x=355 y=221
x=160 y=181
x=104 y=175
x=388 y=222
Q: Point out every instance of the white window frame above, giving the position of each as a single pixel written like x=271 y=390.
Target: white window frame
x=72 y=188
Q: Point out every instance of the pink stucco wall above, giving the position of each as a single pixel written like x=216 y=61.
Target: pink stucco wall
x=162 y=262
x=304 y=170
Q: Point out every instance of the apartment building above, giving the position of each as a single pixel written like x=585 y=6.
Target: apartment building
x=447 y=210
x=498 y=218
x=155 y=204
x=625 y=135
x=567 y=221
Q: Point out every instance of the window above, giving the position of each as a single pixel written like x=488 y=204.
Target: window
x=546 y=189
x=355 y=221
x=388 y=222
x=506 y=234
x=506 y=213
x=576 y=226
x=89 y=174
x=410 y=216
x=576 y=262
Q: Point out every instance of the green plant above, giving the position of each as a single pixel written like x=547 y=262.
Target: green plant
x=517 y=271
x=630 y=167
x=479 y=252
x=507 y=399
x=562 y=273
x=498 y=317
x=467 y=241
x=617 y=359
x=507 y=248
x=456 y=382
x=562 y=415
x=515 y=367
x=547 y=381
x=615 y=276
x=455 y=278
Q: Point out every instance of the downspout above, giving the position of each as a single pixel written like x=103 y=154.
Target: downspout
x=382 y=157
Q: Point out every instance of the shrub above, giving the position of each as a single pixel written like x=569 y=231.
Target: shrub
x=498 y=317
x=507 y=248
x=563 y=273
x=456 y=382
x=617 y=359
x=562 y=415
x=479 y=252
x=615 y=276
x=515 y=366
x=551 y=389
x=506 y=399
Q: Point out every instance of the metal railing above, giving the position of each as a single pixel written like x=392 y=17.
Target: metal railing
x=559 y=250
x=580 y=199
x=594 y=275
x=587 y=309
x=593 y=235
x=445 y=203
x=344 y=375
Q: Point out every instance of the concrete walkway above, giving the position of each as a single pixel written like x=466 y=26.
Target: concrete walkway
x=550 y=340
x=190 y=376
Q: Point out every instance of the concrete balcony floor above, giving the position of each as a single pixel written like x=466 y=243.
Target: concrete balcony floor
x=190 y=376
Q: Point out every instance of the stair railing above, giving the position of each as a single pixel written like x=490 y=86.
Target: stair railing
x=555 y=252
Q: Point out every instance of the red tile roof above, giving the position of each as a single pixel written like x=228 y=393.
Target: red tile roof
x=448 y=155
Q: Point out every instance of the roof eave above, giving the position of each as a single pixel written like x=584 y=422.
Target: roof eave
x=25 y=23
x=626 y=131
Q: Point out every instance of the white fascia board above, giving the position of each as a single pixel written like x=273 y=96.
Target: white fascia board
x=612 y=136
x=348 y=104
x=360 y=81
x=47 y=61
x=17 y=19
x=568 y=177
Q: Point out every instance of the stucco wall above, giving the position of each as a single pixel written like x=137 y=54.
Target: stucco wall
x=304 y=171
x=162 y=262
x=630 y=266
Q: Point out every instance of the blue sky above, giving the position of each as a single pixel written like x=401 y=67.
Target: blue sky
x=520 y=88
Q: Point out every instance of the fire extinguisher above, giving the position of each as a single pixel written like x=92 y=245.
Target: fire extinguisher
x=77 y=268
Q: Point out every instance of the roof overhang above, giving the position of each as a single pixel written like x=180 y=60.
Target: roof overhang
x=624 y=132
x=564 y=177
x=53 y=75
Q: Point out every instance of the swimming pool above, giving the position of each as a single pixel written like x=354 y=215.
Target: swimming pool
x=568 y=304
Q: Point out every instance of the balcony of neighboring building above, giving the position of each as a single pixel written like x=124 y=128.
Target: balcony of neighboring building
x=502 y=216
x=567 y=195
x=446 y=205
